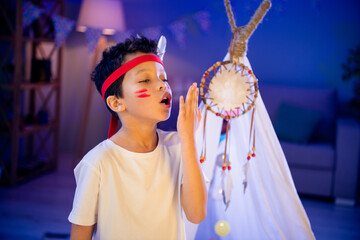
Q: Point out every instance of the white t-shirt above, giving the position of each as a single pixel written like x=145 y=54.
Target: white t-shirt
x=131 y=195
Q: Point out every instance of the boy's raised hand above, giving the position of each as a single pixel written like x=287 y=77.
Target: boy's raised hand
x=189 y=114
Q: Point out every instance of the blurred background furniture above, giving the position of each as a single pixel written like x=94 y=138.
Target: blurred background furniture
x=322 y=149
x=30 y=83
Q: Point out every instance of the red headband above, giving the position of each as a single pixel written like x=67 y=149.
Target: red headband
x=118 y=73
x=126 y=67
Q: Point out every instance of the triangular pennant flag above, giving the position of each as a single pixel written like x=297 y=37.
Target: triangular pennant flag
x=92 y=37
x=63 y=26
x=178 y=29
x=121 y=36
x=30 y=13
x=152 y=32
x=203 y=19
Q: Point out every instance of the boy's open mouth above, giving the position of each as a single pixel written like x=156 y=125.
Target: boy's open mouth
x=166 y=99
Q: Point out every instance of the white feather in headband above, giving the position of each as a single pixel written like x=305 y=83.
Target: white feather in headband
x=161 y=47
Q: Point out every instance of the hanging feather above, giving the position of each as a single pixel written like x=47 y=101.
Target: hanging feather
x=226 y=188
x=251 y=152
x=223 y=186
x=228 y=191
x=245 y=171
x=161 y=47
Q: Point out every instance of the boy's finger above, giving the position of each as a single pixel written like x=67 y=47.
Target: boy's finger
x=190 y=106
x=181 y=105
x=188 y=94
x=196 y=99
x=189 y=97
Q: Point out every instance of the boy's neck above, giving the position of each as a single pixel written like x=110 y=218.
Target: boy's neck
x=139 y=139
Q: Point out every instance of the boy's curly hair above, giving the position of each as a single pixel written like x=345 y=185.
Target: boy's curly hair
x=113 y=58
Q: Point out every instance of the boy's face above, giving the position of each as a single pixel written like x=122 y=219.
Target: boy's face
x=146 y=92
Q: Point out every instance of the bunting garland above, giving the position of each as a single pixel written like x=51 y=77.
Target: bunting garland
x=152 y=32
x=179 y=28
x=121 y=36
x=92 y=37
x=30 y=13
x=203 y=20
x=63 y=26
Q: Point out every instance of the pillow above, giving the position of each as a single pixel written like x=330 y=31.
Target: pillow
x=295 y=124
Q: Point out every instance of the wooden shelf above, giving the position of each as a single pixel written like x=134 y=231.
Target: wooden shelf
x=28 y=85
x=39 y=152
x=31 y=129
x=53 y=83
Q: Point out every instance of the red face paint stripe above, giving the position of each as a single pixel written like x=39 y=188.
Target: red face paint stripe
x=144 y=95
x=141 y=91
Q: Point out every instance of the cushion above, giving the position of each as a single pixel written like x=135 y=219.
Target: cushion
x=323 y=100
x=295 y=124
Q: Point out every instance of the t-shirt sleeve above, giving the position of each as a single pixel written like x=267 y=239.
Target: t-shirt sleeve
x=85 y=205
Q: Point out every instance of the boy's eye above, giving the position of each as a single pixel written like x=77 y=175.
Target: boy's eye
x=165 y=80
x=144 y=81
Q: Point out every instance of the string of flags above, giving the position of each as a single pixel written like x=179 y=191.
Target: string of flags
x=180 y=28
x=63 y=26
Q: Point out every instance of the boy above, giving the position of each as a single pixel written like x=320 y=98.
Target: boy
x=135 y=184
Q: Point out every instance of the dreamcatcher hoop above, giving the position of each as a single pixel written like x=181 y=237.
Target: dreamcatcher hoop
x=229 y=89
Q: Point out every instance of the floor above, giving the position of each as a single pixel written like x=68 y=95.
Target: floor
x=39 y=210
x=37 y=207
x=332 y=222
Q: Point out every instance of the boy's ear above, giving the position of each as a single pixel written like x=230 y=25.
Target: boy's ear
x=115 y=104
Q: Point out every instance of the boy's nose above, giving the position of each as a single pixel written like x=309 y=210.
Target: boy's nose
x=162 y=86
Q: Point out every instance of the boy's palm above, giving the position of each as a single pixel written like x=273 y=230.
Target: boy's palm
x=189 y=114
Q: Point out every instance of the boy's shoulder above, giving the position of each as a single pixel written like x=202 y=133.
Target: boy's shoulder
x=168 y=137
x=99 y=152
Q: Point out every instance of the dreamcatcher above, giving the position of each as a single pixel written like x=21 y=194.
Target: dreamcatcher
x=229 y=89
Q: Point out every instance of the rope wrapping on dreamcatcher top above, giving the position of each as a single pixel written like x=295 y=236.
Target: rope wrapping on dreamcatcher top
x=229 y=89
x=241 y=35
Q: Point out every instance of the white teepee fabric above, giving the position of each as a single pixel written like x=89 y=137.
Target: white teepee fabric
x=270 y=207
